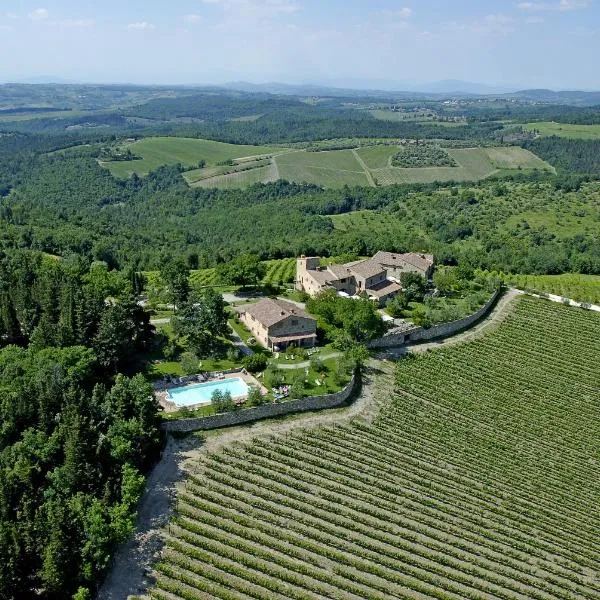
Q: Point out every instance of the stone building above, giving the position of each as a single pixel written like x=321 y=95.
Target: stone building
x=378 y=277
x=277 y=324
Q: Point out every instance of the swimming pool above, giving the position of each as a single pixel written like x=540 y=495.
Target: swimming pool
x=201 y=393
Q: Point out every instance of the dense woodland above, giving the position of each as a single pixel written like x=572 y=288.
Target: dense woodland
x=77 y=434
x=78 y=420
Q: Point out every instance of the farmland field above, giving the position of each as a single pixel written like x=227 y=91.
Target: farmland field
x=479 y=478
x=157 y=151
x=513 y=157
x=241 y=179
x=567 y=130
x=334 y=168
x=331 y=168
x=584 y=288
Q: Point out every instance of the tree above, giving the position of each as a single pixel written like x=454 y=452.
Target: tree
x=356 y=356
x=255 y=397
x=189 y=363
x=244 y=270
x=222 y=401
x=413 y=286
x=201 y=321
x=445 y=279
x=255 y=362
x=396 y=306
x=273 y=377
x=297 y=387
x=176 y=277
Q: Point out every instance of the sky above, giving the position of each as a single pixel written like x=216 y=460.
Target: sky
x=384 y=44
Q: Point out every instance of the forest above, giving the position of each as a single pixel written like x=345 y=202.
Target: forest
x=79 y=426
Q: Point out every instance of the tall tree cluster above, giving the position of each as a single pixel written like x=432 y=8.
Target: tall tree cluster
x=76 y=436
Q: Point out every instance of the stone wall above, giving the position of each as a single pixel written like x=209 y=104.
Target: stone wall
x=266 y=411
x=419 y=334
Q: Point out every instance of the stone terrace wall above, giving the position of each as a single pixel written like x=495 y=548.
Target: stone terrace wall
x=248 y=415
x=419 y=334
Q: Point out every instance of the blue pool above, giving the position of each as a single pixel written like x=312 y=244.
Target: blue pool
x=201 y=393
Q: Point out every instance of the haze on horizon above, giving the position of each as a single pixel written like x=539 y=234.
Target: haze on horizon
x=347 y=43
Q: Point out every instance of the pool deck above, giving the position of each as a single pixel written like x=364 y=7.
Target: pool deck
x=162 y=388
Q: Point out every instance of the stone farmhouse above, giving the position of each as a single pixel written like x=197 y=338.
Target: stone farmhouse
x=277 y=324
x=378 y=277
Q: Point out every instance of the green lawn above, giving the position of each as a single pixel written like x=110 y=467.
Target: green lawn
x=566 y=130
x=157 y=151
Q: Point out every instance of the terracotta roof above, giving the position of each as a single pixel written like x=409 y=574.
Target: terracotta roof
x=385 y=288
x=419 y=261
x=367 y=268
x=292 y=338
x=339 y=271
x=269 y=311
x=322 y=276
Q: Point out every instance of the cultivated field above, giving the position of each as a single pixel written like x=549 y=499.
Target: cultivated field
x=473 y=164
x=334 y=168
x=277 y=271
x=157 y=151
x=567 y=130
x=584 y=288
x=479 y=479
x=513 y=157
x=369 y=165
x=241 y=179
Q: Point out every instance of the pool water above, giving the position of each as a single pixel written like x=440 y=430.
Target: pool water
x=201 y=393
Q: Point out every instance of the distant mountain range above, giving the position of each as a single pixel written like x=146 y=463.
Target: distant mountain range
x=450 y=88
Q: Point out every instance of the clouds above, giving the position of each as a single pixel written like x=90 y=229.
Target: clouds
x=39 y=14
x=140 y=26
x=193 y=18
x=561 y=6
x=257 y=7
x=77 y=23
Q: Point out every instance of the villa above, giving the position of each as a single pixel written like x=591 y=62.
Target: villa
x=378 y=277
x=277 y=324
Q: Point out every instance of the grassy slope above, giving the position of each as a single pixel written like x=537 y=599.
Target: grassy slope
x=583 y=132
x=331 y=169
x=239 y=180
x=159 y=151
x=513 y=157
x=481 y=463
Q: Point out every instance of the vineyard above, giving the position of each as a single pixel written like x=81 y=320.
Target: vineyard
x=584 y=288
x=277 y=272
x=479 y=479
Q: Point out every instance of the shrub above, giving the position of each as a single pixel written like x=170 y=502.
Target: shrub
x=297 y=388
x=274 y=377
x=317 y=365
x=255 y=363
x=233 y=354
x=222 y=401
x=189 y=363
x=255 y=397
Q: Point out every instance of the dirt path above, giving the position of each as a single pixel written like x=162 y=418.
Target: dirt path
x=362 y=163
x=131 y=565
x=132 y=562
